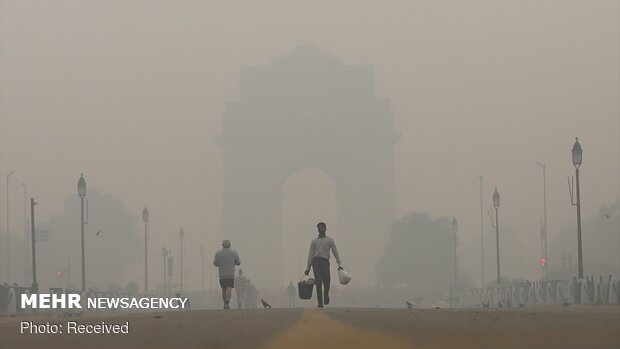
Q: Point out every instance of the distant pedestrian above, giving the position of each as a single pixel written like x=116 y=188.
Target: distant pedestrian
x=240 y=288
x=318 y=259
x=225 y=260
x=290 y=290
x=251 y=296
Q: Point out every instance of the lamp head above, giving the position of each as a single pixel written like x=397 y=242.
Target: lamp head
x=577 y=153
x=81 y=186
x=496 y=198
x=145 y=215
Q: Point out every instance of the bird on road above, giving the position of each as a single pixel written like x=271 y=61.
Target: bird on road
x=265 y=304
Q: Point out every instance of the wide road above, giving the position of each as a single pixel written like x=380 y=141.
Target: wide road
x=572 y=327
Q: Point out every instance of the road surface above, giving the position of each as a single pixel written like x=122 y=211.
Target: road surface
x=572 y=327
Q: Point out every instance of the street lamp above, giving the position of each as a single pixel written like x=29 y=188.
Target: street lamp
x=543 y=228
x=170 y=268
x=181 y=235
x=8 y=256
x=164 y=253
x=496 y=206
x=455 y=228
x=145 y=219
x=82 y=194
x=481 y=239
x=577 y=157
x=35 y=285
x=202 y=257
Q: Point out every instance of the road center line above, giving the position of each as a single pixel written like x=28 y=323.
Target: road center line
x=317 y=330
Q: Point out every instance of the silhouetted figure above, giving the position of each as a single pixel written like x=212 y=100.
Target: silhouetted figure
x=241 y=288
x=409 y=305
x=265 y=304
x=290 y=290
x=318 y=259
x=251 y=296
x=225 y=260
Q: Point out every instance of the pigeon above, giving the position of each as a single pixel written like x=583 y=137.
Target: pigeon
x=265 y=304
x=409 y=305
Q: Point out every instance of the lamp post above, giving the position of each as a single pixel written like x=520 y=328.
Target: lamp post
x=35 y=285
x=8 y=235
x=181 y=235
x=145 y=219
x=26 y=236
x=481 y=239
x=170 y=264
x=577 y=157
x=496 y=206
x=543 y=228
x=164 y=253
x=202 y=258
x=82 y=194
x=455 y=228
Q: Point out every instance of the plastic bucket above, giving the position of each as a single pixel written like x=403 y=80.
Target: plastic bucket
x=305 y=289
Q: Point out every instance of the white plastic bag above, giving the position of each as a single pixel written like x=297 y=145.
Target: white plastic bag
x=344 y=277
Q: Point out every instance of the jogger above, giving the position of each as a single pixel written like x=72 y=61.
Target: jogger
x=225 y=260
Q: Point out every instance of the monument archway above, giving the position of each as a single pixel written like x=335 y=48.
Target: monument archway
x=307 y=110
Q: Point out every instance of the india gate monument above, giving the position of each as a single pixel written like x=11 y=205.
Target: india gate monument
x=308 y=110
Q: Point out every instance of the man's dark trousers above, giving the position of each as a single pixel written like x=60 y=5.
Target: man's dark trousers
x=320 y=268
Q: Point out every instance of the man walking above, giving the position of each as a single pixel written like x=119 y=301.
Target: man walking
x=318 y=259
x=225 y=260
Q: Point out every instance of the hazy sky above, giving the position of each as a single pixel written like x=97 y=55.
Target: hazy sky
x=132 y=94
